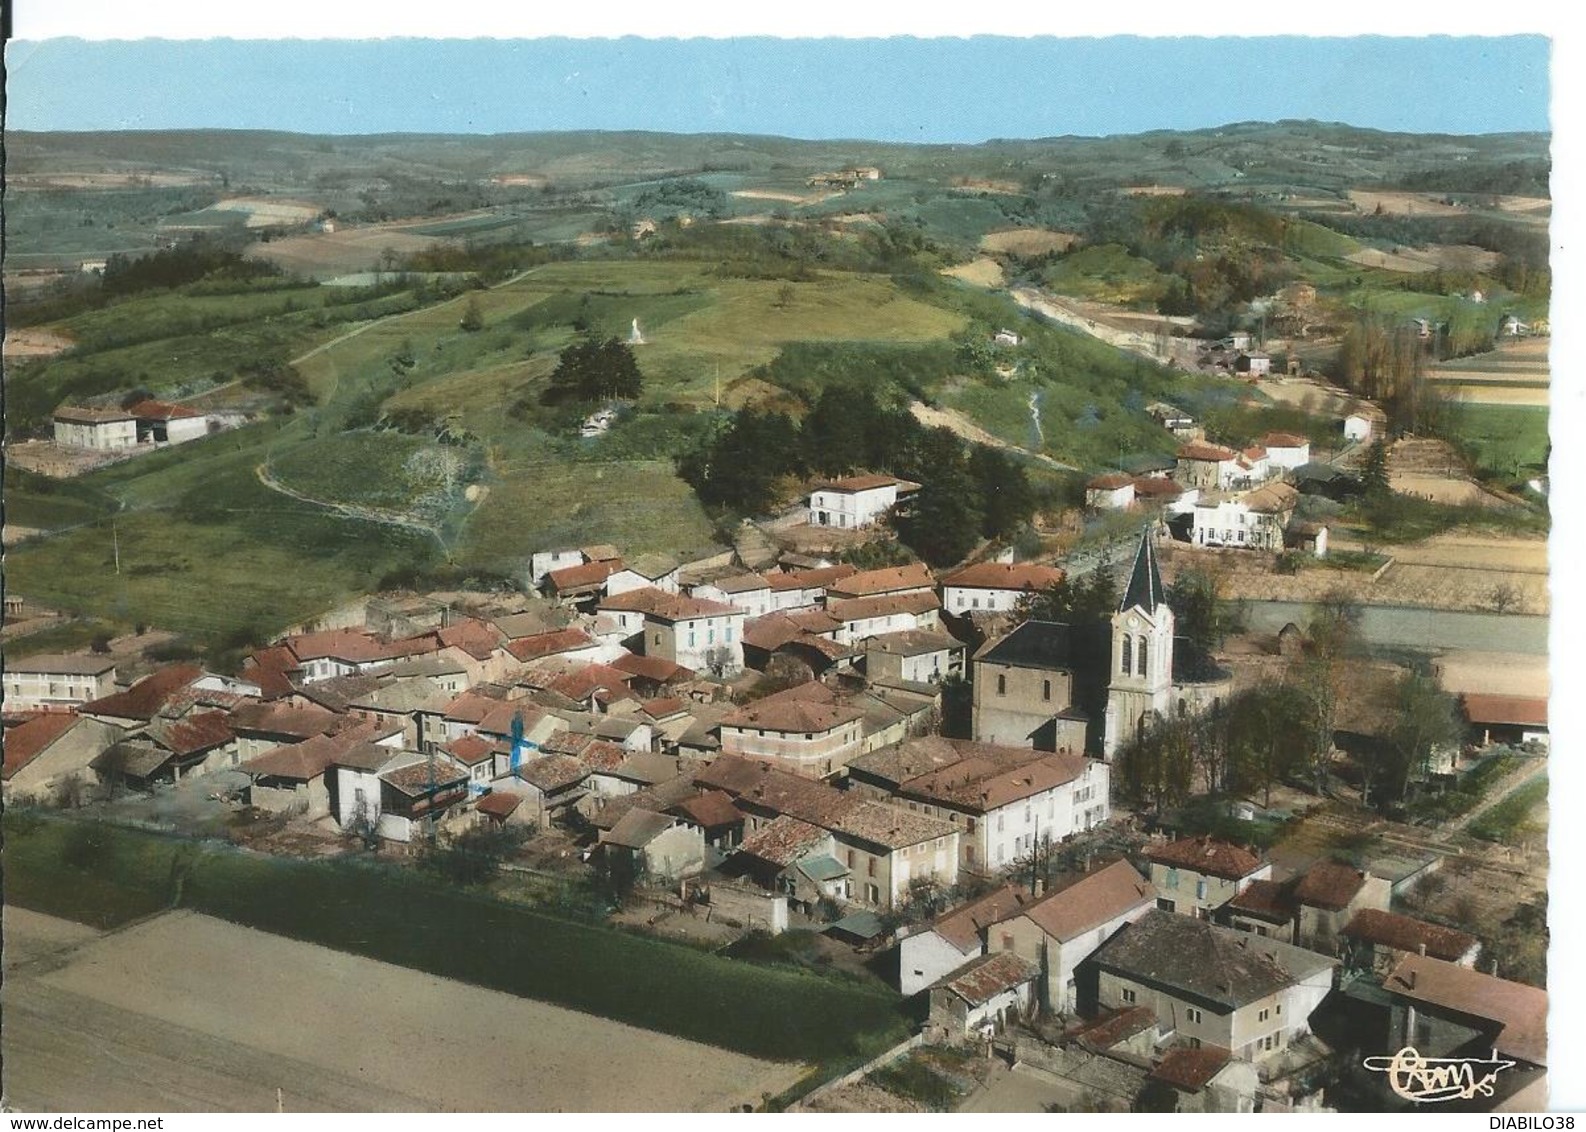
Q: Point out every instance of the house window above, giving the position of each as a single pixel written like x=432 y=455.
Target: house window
x=1192 y=1014
x=872 y=894
x=1140 y=657
x=1263 y=1015
x=1165 y=904
x=1128 y=995
x=658 y=638
x=1172 y=878
x=1007 y=942
x=1046 y=689
x=870 y=867
x=1127 y=663
x=1200 y=889
x=1002 y=685
x=1278 y=1010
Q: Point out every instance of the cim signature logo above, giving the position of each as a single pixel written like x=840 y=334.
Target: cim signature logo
x=1432 y=1080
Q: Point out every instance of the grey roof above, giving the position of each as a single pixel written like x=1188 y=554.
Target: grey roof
x=638 y=828
x=366 y=756
x=865 y=925
x=136 y=759
x=1034 y=644
x=1145 y=581
x=1193 y=959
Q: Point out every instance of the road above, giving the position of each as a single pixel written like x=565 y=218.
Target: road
x=1424 y=629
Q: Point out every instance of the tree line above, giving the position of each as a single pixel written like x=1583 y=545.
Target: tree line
x=967 y=492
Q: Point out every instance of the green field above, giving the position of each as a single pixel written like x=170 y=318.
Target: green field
x=1508 y=440
x=105 y=876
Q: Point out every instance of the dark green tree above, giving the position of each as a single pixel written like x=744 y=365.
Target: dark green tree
x=590 y=370
x=1006 y=498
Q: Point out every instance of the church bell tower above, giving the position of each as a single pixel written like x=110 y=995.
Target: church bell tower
x=1141 y=680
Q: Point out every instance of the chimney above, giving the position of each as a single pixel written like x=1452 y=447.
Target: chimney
x=1040 y=886
x=1421 y=949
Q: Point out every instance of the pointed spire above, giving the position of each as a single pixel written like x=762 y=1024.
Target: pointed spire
x=1145 y=581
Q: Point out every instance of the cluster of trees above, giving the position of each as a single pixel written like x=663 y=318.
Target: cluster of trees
x=1286 y=730
x=592 y=370
x=967 y=492
x=174 y=267
x=1384 y=360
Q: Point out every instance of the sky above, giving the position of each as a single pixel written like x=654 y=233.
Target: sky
x=964 y=89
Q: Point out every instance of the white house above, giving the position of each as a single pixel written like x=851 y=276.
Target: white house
x=1006 y=337
x=706 y=636
x=648 y=571
x=542 y=562
x=996 y=586
x=1254 y=363
x=748 y=592
x=864 y=617
x=955 y=937
x=855 y=501
x=1113 y=491
x=1256 y=520
x=1357 y=427
x=805 y=589
x=1210 y=467
x=102 y=430
x=912 y=657
x=804 y=730
x=161 y=422
x=1007 y=801
x=57 y=681
x=1286 y=451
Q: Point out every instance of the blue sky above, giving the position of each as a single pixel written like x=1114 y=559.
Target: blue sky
x=902 y=89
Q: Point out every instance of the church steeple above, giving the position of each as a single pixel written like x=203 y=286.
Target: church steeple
x=1145 y=581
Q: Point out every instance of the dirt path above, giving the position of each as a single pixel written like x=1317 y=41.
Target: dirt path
x=1500 y=791
x=1060 y=310
x=350 y=510
x=969 y=430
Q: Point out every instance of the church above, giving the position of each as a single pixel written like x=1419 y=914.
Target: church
x=1030 y=682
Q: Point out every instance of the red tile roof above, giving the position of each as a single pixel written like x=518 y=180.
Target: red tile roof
x=598 y=680
x=1157 y=486
x=147 y=696
x=1110 y=1029
x=1210 y=452
x=348 y=645
x=981 y=980
x=1284 y=440
x=656 y=668
x=1005 y=576
x=1206 y=855
x=890 y=579
x=994 y=777
x=553 y=772
x=470 y=749
x=1110 y=481
x=1514 y=711
x=818 y=578
x=961 y=926
x=1330 y=885
x=542 y=645
x=589 y=575
x=1404 y=933
x=474 y=637
x=500 y=803
x=711 y=809
x=1190 y=1069
x=1093 y=900
x=284 y=719
x=664 y=707
x=27 y=741
x=1268 y=900
x=864 y=608
x=310 y=758
x=782 y=841
x=667 y=607
x=1519 y=1010
x=808 y=708
x=194 y=734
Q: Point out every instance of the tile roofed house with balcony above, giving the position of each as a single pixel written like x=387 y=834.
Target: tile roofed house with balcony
x=1195 y=876
x=1023 y=689
x=1257 y=520
x=805 y=589
x=996 y=586
x=102 y=430
x=584 y=582
x=1210 y=985
x=1009 y=800
x=54 y=681
x=1062 y=928
x=46 y=751
x=805 y=730
x=855 y=502
x=418 y=792
x=706 y=636
x=929 y=951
